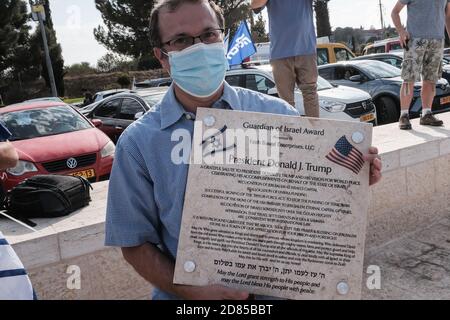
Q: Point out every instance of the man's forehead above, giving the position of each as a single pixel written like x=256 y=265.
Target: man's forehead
x=188 y=18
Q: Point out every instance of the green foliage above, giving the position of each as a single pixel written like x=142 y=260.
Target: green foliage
x=259 y=33
x=322 y=18
x=124 y=80
x=126 y=30
x=112 y=62
x=79 y=69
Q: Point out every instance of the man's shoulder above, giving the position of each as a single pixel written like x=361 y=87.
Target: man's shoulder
x=258 y=102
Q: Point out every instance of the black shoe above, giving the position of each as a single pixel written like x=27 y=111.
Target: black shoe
x=404 y=123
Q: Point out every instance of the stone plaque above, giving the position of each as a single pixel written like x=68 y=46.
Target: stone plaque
x=275 y=205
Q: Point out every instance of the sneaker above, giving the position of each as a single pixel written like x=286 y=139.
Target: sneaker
x=404 y=123
x=430 y=120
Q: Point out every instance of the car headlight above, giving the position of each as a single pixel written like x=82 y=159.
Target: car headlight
x=331 y=106
x=108 y=150
x=21 y=168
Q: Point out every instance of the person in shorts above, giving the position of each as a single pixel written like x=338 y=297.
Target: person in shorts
x=423 y=42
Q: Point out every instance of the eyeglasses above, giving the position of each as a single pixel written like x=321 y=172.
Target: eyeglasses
x=208 y=37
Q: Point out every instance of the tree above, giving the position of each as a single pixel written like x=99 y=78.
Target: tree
x=322 y=18
x=124 y=81
x=13 y=32
x=111 y=62
x=80 y=69
x=259 y=33
x=234 y=12
x=127 y=29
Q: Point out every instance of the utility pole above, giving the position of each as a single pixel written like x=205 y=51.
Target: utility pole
x=381 y=16
x=38 y=10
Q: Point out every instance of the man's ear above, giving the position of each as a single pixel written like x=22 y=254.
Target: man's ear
x=162 y=58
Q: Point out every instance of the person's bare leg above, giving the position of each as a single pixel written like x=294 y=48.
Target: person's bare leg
x=406 y=96
x=428 y=93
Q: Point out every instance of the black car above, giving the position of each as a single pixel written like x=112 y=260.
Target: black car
x=396 y=59
x=383 y=83
x=114 y=114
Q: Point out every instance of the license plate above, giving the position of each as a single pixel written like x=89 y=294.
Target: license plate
x=367 y=117
x=85 y=174
x=445 y=100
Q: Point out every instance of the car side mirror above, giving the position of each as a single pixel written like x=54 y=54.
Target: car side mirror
x=356 y=78
x=138 y=115
x=97 y=123
x=273 y=92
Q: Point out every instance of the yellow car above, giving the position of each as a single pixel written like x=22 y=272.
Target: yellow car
x=333 y=52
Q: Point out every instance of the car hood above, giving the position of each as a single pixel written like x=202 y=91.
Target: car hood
x=343 y=94
x=61 y=146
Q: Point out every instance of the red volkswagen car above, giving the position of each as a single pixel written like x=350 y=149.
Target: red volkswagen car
x=53 y=138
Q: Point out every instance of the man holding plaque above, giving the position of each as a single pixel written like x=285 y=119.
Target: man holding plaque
x=148 y=184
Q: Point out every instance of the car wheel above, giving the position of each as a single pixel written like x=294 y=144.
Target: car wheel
x=387 y=110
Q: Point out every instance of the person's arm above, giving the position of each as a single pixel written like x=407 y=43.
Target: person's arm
x=8 y=155
x=158 y=269
x=133 y=224
x=447 y=17
x=256 y=4
x=404 y=35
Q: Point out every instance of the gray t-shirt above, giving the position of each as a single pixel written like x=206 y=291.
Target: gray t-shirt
x=426 y=18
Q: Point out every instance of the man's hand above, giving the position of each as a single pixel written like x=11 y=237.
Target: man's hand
x=404 y=37
x=375 y=165
x=212 y=292
x=8 y=155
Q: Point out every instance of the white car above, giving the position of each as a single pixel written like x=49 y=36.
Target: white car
x=336 y=102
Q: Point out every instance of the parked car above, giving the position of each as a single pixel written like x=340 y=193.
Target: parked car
x=396 y=59
x=447 y=53
x=383 y=83
x=54 y=138
x=160 y=82
x=336 y=102
x=333 y=52
x=105 y=94
x=56 y=99
x=383 y=46
x=114 y=114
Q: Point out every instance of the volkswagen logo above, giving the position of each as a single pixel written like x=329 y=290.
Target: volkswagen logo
x=72 y=163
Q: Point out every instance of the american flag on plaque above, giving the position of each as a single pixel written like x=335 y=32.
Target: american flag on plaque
x=346 y=155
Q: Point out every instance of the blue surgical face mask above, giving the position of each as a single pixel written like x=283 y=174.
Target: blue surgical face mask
x=199 y=70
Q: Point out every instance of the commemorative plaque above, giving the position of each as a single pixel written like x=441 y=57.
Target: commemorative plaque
x=275 y=205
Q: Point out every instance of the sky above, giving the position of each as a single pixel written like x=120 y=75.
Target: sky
x=75 y=20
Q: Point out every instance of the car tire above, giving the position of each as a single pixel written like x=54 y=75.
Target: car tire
x=387 y=110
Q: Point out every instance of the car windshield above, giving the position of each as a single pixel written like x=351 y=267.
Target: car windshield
x=323 y=84
x=378 y=70
x=34 y=123
x=153 y=99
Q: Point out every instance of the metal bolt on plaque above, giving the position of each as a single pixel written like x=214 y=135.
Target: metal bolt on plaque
x=357 y=137
x=343 y=288
x=209 y=121
x=189 y=266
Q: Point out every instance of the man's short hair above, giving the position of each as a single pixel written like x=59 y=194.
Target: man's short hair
x=173 y=5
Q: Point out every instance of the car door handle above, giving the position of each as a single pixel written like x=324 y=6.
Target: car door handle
x=119 y=128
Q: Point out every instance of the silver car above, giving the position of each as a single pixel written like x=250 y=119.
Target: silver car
x=383 y=82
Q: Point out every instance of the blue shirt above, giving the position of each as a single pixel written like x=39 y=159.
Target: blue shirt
x=291 y=28
x=146 y=189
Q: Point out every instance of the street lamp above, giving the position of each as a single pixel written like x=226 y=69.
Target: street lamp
x=38 y=14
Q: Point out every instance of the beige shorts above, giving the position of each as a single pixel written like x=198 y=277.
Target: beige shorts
x=423 y=60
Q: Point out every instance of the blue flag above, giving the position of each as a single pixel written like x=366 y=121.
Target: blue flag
x=241 y=47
